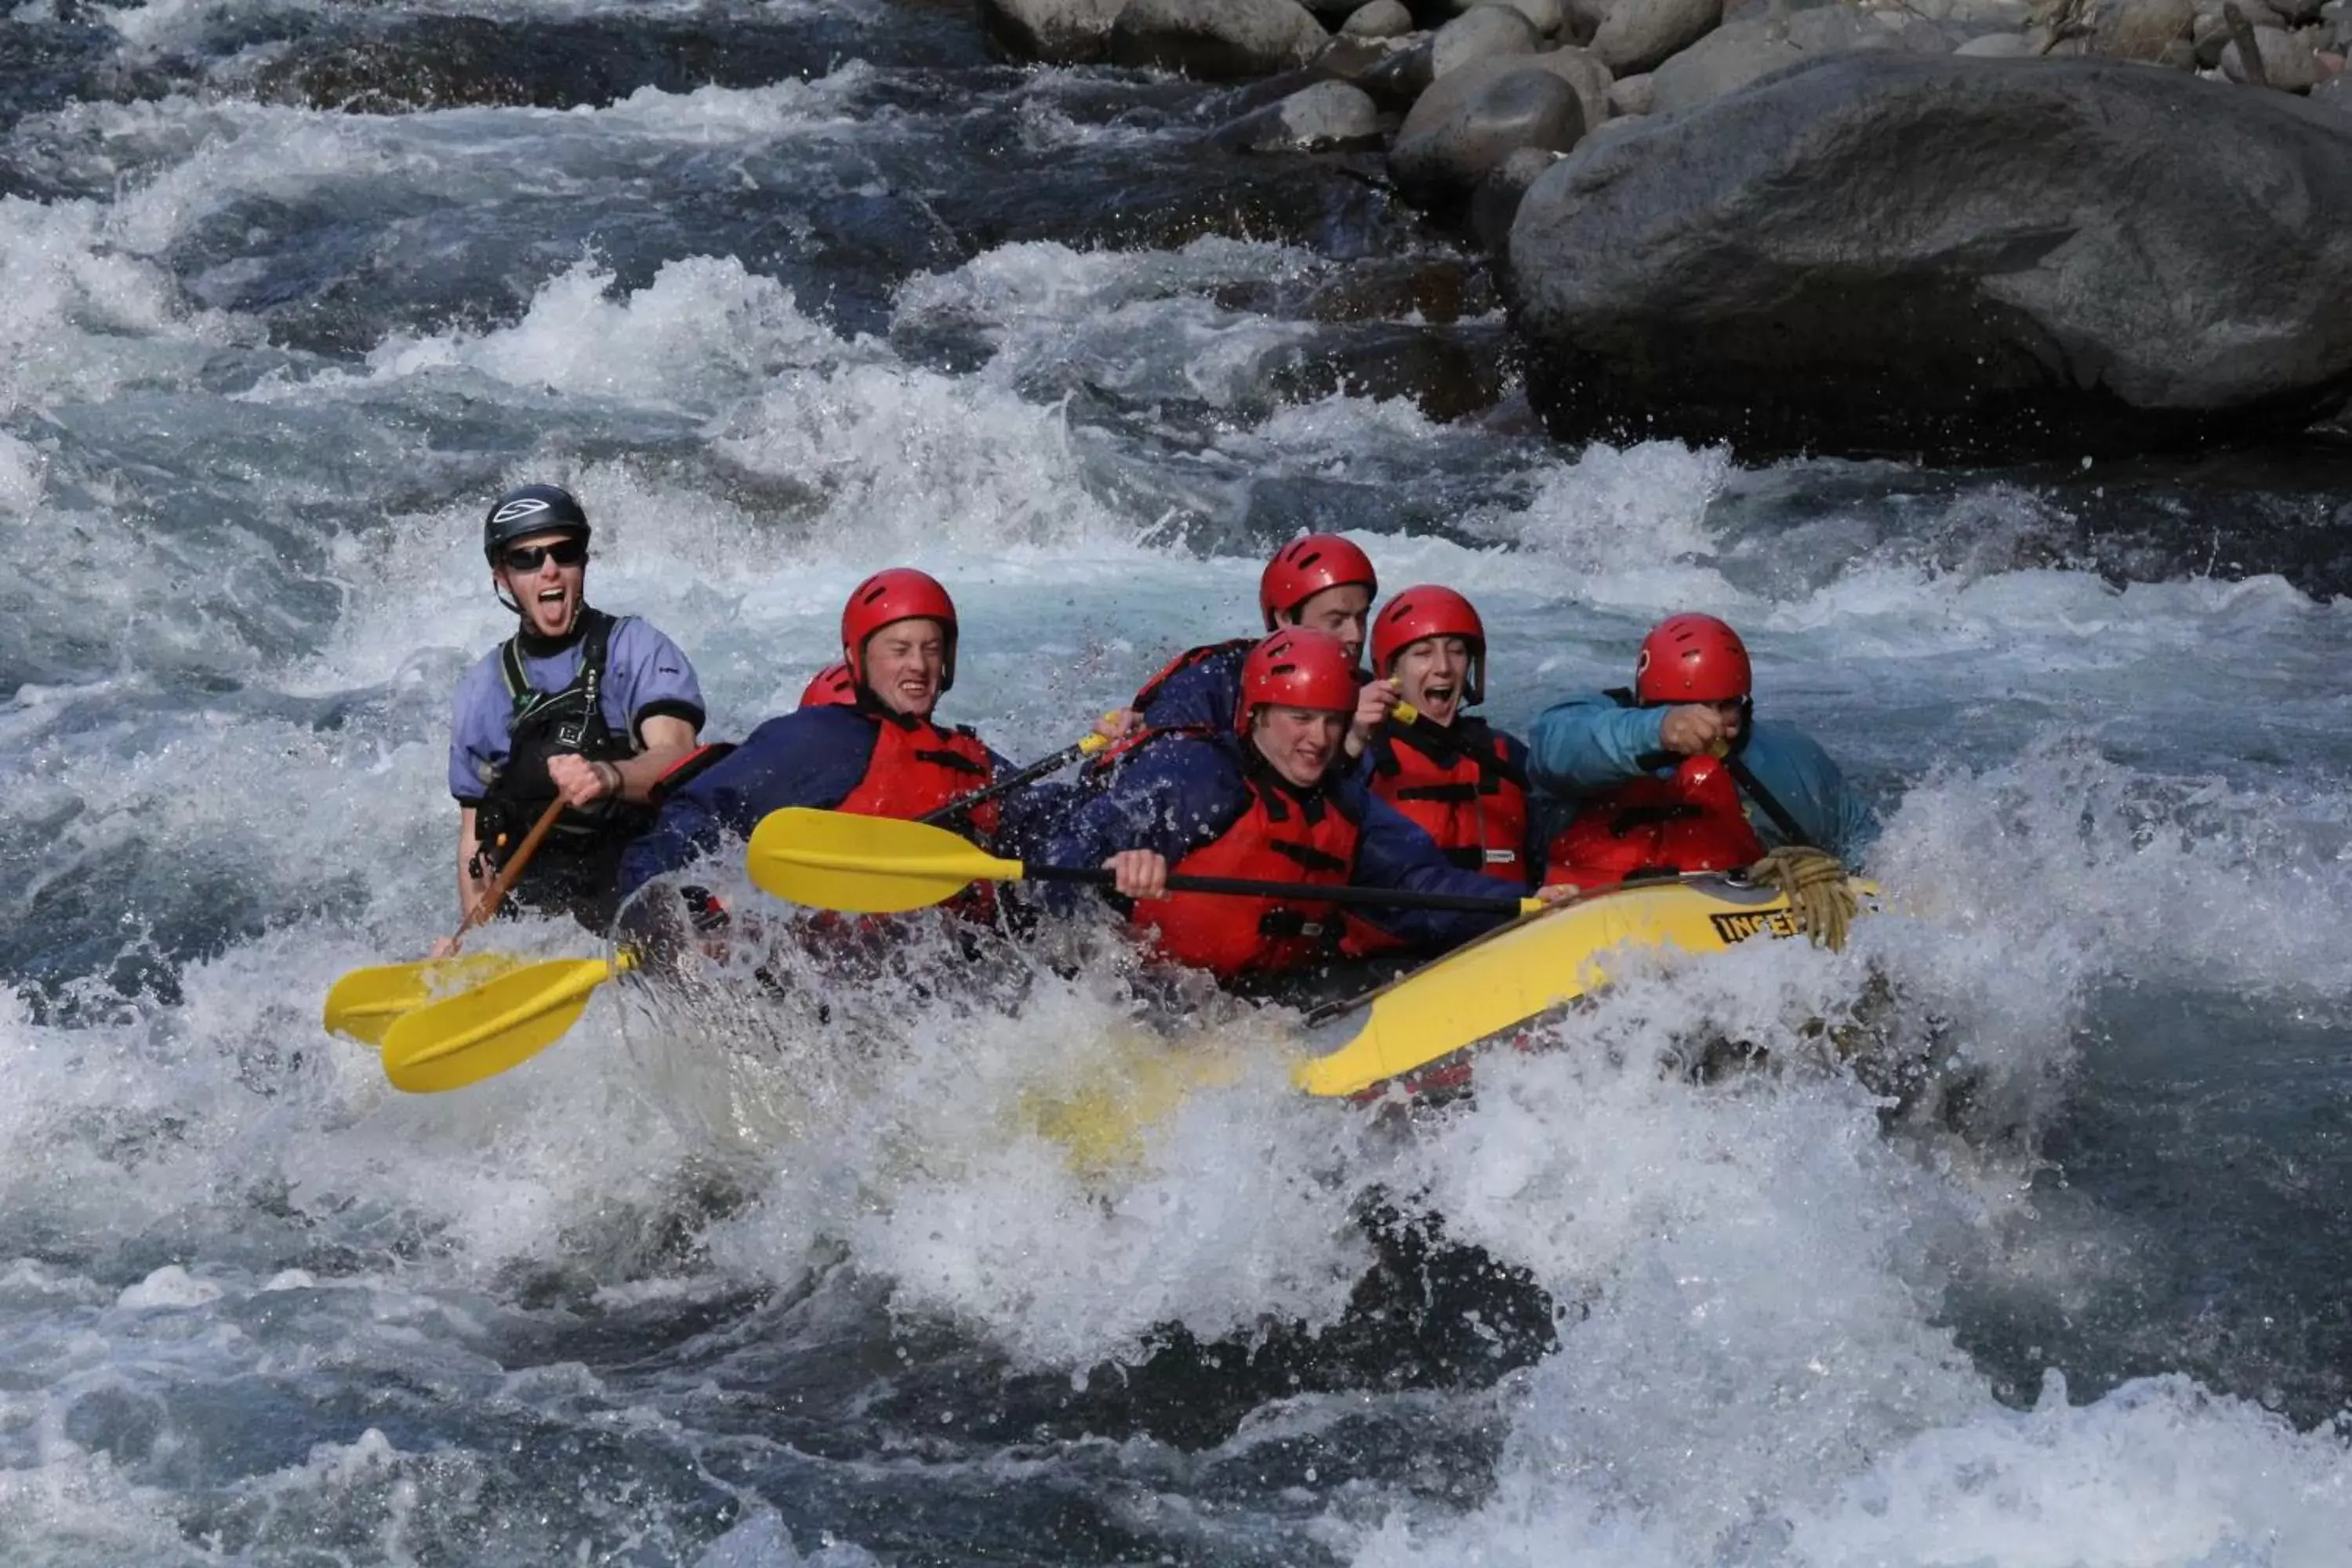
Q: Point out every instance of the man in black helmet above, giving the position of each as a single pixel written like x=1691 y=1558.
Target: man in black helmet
x=579 y=704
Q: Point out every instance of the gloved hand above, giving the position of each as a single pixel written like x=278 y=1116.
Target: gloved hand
x=1815 y=886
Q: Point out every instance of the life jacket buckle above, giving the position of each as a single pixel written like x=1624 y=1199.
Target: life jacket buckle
x=1285 y=925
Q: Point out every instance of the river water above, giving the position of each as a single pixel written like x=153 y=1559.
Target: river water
x=789 y=292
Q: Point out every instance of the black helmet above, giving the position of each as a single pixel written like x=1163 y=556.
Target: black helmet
x=533 y=509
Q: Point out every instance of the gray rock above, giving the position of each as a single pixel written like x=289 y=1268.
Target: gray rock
x=1215 y=40
x=1630 y=95
x=1740 y=52
x=1477 y=34
x=2140 y=29
x=1584 y=18
x=2288 y=63
x=1546 y=16
x=1403 y=76
x=1497 y=200
x=1890 y=252
x=1640 y=35
x=2296 y=13
x=1329 y=114
x=1580 y=70
x=1724 y=61
x=1970 y=15
x=1060 y=32
x=1998 y=46
x=2212 y=34
x=1331 y=13
x=1380 y=19
x=1469 y=122
x=2334 y=95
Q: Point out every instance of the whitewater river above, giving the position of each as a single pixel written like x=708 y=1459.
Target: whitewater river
x=790 y=292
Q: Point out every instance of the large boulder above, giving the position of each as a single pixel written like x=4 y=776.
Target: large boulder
x=1470 y=121
x=1897 y=252
x=1740 y=52
x=1060 y=32
x=1640 y=35
x=1479 y=33
x=1216 y=40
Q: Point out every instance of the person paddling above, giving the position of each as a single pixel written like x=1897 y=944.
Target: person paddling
x=1677 y=774
x=577 y=704
x=1320 y=581
x=880 y=753
x=1266 y=794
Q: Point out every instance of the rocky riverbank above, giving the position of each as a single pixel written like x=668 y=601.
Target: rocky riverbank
x=1950 y=226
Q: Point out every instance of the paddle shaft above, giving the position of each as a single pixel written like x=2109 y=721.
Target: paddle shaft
x=510 y=870
x=1772 y=808
x=1037 y=770
x=1183 y=882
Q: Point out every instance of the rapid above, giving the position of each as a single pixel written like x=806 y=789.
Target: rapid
x=789 y=292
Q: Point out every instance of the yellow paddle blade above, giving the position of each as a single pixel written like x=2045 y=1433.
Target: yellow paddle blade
x=364 y=1004
x=503 y=1024
x=867 y=865
x=1524 y=970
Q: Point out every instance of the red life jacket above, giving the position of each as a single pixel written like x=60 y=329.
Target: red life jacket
x=1691 y=821
x=1473 y=801
x=917 y=767
x=1100 y=768
x=1284 y=836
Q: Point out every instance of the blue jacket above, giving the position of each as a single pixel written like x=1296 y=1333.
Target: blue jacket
x=1202 y=695
x=1588 y=744
x=1181 y=791
x=813 y=757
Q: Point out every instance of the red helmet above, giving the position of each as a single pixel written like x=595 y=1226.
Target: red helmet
x=1427 y=610
x=1692 y=658
x=832 y=685
x=900 y=593
x=1305 y=567
x=1298 y=667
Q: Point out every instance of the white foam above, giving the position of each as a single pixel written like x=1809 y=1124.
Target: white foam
x=1624 y=521
x=704 y=328
x=22 y=482
x=2159 y=1472
x=169 y=1287
x=82 y=313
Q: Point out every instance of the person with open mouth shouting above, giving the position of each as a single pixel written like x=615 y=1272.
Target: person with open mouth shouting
x=1462 y=780
x=578 y=705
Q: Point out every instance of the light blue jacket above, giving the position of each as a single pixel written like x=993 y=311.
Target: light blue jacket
x=1588 y=744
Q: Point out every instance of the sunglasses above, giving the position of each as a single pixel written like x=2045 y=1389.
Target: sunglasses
x=566 y=553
